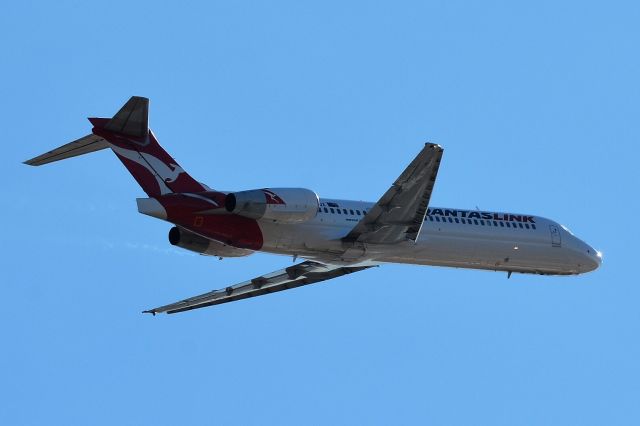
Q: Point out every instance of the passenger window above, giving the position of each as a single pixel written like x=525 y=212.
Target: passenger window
x=508 y=225
x=344 y=211
x=464 y=221
x=325 y=210
x=358 y=212
x=331 y=210
x=450 y=220
x=526 y=225
x=475 y=221
x=520 y=225
x=502 y=224
x=457 y=221
x=495 y=223
x=533 y=226
x=482 y=222
x=338 y=211
x=351 y=211
x=430 y=218
x=437 y=219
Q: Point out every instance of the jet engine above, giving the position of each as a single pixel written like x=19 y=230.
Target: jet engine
x=182 y=238
x=282 y=205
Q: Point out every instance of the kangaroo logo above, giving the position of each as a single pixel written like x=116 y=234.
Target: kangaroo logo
x=272 y=197
x=162 y=172
x=175 y=171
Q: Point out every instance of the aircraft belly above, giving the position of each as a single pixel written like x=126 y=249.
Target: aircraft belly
x=479 y=252
x=304 y=240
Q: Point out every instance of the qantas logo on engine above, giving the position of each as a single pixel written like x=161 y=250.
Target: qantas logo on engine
x=272 y=197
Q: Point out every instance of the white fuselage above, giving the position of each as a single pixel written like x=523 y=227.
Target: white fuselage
x=449 y=237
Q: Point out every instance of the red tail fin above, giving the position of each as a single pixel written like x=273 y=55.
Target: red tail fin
x=129 y=136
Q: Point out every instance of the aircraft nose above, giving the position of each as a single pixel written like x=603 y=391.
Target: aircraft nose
x=592 y=258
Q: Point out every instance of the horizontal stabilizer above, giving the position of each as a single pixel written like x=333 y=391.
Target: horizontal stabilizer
x=132 y=119
x=81 y=146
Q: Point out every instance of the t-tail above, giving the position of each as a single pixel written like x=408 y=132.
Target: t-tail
x=130 y=138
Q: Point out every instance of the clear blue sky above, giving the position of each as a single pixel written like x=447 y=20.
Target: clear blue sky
x=536 y=105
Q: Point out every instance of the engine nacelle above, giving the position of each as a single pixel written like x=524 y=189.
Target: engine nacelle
x=189 y=241
x=283 y=205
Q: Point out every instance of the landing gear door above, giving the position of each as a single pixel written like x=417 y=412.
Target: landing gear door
x=556 y=240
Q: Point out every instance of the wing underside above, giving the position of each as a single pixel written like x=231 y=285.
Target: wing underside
x=304 y=273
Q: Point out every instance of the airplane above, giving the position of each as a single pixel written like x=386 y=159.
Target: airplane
x=334 y=237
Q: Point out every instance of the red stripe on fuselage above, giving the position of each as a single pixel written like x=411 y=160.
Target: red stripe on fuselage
x=204 y=214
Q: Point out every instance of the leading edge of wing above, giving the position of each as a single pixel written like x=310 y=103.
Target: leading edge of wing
x=304 y=273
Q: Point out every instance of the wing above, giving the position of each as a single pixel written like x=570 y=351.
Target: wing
x=400 y=213
x=84 y=145
x=294 y=276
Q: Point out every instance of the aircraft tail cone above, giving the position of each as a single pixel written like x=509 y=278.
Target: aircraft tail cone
x=151 y=207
